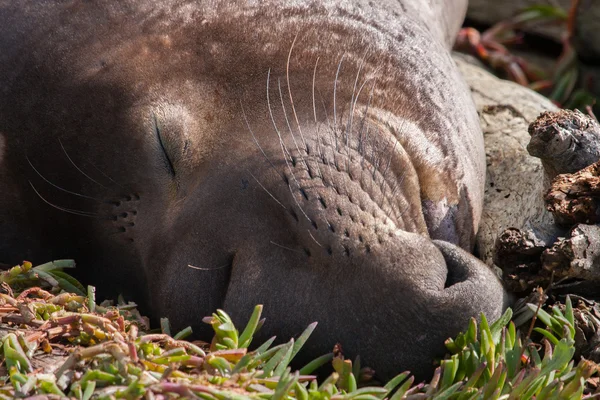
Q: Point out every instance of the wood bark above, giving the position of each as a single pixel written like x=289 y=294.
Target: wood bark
x=566 y=141
x=575 y=198
x=575 y=257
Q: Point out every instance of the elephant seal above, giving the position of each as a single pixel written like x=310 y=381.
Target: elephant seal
x=322 y=158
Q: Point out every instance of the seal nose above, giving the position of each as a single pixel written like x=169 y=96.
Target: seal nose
x=469 y=278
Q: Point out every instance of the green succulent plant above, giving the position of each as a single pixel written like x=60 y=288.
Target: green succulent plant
x=116 y=357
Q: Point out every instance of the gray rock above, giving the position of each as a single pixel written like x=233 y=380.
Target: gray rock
x=515 y=180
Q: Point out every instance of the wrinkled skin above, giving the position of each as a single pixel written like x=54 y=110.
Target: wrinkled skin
x=321 y=158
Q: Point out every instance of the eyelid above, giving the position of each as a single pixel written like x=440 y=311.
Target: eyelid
x=168 y=162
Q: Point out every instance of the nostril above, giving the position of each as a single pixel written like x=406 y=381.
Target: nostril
x=453 y=278
x=461 y=265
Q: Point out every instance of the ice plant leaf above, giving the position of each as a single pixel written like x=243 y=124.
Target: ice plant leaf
x=303 y=338
x=316 y=363
x=246 y=337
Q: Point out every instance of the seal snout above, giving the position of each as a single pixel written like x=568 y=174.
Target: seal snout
x=336 y=215
x=472 y=284
x=347 y=200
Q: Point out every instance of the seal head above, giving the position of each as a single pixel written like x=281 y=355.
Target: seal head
x=321 y=158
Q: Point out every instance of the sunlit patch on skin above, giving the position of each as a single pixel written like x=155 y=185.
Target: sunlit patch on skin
x=440 y=217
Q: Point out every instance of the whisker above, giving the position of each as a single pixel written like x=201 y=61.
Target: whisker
x=375 y=152
x=396 y=141
x=380 y=154
x=313 y=238
x=362 y=151
x=76 y=167
x=392 y=194
x=391 y=154
x=354 y=108
x=334 y=98
x=313 y=89
x=269 y=193
x=396 y=186
x=58 y=187
x=324 y=109
x=107 y=177
x=256 y=141
x=287 y=77
x=284 y=247
x=283 y=147
x=333 y=134
x=67 y=210
x=352 y=100
x=320 y=150
x=287 y=121
x=208 y=269
x=383 y=176
x=365 y=112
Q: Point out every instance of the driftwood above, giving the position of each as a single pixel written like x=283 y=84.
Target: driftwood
x=515 y=246
x=566 y=141
x=575 y=198
x=576 y=256
x=527 y=263
x=517 y=253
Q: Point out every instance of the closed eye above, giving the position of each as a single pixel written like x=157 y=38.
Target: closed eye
x=168 y=163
